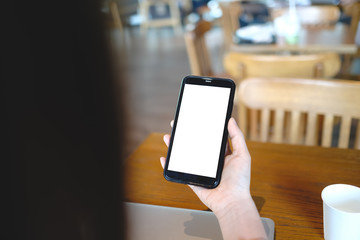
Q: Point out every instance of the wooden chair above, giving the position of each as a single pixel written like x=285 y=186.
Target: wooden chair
x=173 y=18
x=300 y=111
x=320 y=65
x=198 y=53
x=313 y=16
x=352 y=10
x=231 y=11
x=115 y=15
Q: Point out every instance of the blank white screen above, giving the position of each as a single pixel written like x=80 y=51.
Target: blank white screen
x=199 y=131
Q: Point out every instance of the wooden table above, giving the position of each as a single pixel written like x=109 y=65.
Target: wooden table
x=337 y=39
x=286 y=182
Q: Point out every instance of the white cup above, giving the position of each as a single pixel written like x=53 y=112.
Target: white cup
x=341 y=203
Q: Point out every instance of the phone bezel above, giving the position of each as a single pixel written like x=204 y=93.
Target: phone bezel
x=186 y=178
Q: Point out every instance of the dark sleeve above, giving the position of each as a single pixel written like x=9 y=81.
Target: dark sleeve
x=62 y=122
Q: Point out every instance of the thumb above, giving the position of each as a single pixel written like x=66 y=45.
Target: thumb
x=237 y=138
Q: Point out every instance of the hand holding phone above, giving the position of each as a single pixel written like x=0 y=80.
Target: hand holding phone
x=204 y=109
x=232 y=196
x=235 y=182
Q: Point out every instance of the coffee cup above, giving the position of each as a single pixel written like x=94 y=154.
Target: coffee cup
x=341 y=209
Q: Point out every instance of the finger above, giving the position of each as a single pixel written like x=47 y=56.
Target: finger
x=196 y=189
x=228 y=148
x=237 y=137
x=201 y=193
x=166 y=139
x=172 y=123
x=162 y=161
x=192 y=187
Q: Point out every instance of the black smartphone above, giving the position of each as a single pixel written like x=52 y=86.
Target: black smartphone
x=199 y=135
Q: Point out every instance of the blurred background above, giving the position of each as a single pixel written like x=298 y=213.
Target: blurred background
x=150 y=50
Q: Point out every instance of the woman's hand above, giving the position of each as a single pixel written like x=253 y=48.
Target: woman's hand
x=235 y=181
x=231 y=200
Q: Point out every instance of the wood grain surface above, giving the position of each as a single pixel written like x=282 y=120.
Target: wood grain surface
x=286 y=182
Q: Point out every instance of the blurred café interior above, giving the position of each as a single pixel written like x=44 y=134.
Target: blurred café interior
x=155 y=43
x=296 y=65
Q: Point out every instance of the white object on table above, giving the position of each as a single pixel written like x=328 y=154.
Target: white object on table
x=257 y=33
x=341 y=205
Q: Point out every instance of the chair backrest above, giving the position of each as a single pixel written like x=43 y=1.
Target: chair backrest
x=300 y=111
x=115 y=15
x=320 y=65
x=231 y=11
x=353 y=10
x=196 y=48
x=172 y=18
x=313 y=16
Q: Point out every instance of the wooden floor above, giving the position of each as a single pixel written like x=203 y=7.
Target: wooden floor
x=150 y=67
